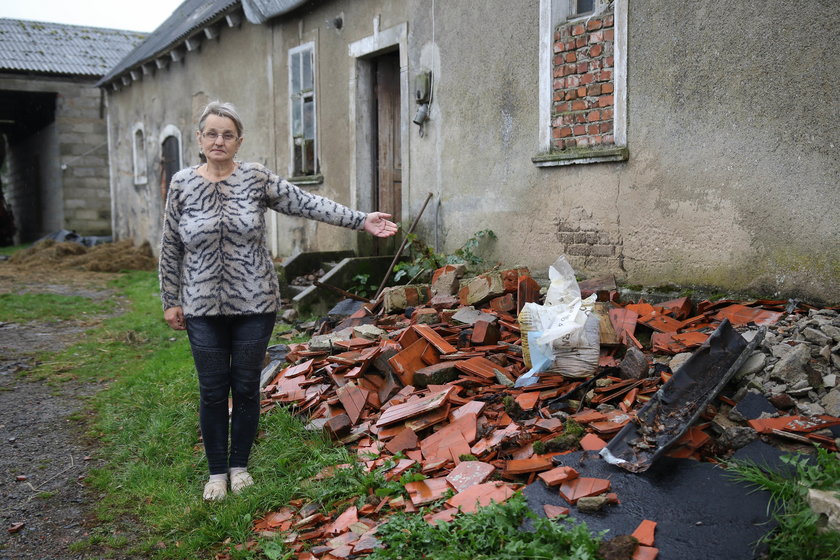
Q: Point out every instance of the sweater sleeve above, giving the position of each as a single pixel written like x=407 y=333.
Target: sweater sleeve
x=286 y=198
x=171 y=250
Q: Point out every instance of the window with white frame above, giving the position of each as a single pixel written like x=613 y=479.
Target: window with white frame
x=138 y=138
x=302 y=107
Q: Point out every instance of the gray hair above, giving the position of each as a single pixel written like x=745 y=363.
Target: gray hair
x=221 y=109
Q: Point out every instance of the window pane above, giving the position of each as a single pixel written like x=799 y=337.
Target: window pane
x=308 y=119
x=294 y=61
x=297 y=118
x=306 y=61
x=584 y=6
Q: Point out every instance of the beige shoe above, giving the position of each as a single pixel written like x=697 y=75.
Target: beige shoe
x=215 y=490
x=240 y=480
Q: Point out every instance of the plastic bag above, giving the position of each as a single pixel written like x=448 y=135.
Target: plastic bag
x=565 y=329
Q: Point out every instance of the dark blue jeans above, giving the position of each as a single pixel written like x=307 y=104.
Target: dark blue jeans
x=228 y=353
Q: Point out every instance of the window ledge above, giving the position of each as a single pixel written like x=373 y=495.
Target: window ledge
x=581 y=156
x=307 y=180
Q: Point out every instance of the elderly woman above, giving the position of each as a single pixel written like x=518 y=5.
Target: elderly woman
x=217 y=281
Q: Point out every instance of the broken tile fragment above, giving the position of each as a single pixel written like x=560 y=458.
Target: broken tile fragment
x=644 y=533
x=577 y=488
x=481 y=495
x=469 y=473
x=557 y=475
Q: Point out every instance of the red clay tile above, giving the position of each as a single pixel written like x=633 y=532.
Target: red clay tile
x=581 y=487
x=406 y=439
x=353 y=398
x=443 y=516
x=554 y=511
x=423 y=405
x=527 y=401
x=644 y=532
x=645 y=553
x=469 y=473
x=481 y=495
x=435 y=339
x=740 y=315
x=591 y=442
x=343 y=521
x=557 y=475
x=426 y=491
x=538 y=463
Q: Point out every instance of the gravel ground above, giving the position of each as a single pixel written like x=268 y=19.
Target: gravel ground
x=45 y=457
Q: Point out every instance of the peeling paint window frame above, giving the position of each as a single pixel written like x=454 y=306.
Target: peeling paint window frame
x=138 y=151
x=552 y=14
x=303 y=114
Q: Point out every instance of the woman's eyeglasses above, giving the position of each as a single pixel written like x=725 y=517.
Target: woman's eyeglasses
x=213 y=135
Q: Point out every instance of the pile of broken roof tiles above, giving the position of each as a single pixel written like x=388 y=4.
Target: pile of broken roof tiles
x=423 y=381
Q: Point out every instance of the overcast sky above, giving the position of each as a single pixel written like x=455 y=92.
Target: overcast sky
x=137 y=15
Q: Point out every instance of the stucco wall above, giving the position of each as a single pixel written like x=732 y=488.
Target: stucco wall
x=731 y=120
x=733 y=169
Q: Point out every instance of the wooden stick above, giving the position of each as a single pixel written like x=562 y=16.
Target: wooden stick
x=400 y=250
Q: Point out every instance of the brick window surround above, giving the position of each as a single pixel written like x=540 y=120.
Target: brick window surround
x=582 y=80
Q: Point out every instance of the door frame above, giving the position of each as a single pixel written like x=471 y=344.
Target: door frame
x=361 y=113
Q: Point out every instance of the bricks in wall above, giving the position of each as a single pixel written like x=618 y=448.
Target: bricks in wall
x=583 y=102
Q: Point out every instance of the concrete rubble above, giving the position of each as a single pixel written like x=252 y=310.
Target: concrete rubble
x=423 y=380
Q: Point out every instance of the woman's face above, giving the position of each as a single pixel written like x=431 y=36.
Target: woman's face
x=219 y=140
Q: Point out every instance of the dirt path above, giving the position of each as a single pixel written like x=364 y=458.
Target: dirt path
x=45 y=456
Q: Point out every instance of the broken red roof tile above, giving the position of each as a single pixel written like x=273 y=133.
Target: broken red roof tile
x=581 y=487
x=532 y=464
x=527 y=401
x=557 y=475
x=554 y=511
x=435 y=339
x=353 y=398
x=426 y=491
x=480 y=495
x=740 y=315
x=406 y=439
x=644 y=532
x=591 y=442
x=645 y=553
x=343 y=521
x=417 y=355
x=401 y=412
x=443 y=516
x=469 y=473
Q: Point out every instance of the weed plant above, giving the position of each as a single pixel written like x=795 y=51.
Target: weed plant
x=798 y=535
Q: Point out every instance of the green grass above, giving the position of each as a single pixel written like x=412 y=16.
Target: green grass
x=492 y=532
x=145 y=423
x=21 y=308
x=797 y=535
x=12 y=249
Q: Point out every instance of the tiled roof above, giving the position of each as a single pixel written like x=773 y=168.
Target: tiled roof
x=190 y=17
x=54 y=48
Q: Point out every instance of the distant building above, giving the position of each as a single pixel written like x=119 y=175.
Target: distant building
x=53 y=127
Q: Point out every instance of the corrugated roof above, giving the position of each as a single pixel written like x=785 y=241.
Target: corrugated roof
x=260 y=11
x=55 y=48
x=190 y=17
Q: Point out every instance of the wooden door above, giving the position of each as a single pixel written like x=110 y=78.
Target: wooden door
x=387 y=195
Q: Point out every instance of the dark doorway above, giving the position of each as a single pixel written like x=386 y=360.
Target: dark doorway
x=171 y=150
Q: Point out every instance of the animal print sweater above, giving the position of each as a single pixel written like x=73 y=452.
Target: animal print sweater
x=213 y=254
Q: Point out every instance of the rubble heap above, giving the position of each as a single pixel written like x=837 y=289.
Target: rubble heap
x=424 y=381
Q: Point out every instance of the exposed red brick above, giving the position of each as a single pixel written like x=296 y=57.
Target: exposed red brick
x=578 y=30
x=580 y=42
x=581 y=91
x=593 y=116
x=607 y=87
x=578 y=105
x=609 y=20
x=609 y=34
x=582 y=67
x=594 y=24
x=565 y=131
x=570 y=57
x=605 y=127
x=587 y=79
x=596 y=50
x=605 y=75
x=592 y=129
x=609 y=62
x=606 y=114
x=594 y=89
x=596 y=37
x=605 y=101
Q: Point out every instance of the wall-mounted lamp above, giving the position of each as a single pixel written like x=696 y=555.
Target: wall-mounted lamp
x=423 y=97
